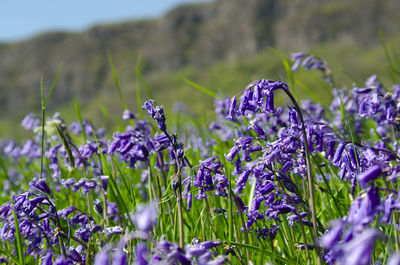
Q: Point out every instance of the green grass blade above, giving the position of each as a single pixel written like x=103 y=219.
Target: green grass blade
x=313 y=95
x=122 y=207
x=3 y=166
x=202 y=89
x=66 y=146
x=118 y=87
x=230 y=203
x=289 y=72
x=44 y=104
x=78 y=113
x=378 y=136
x=146 y=86
x=395 y=72
x=43 y=121
x=267 y=252
x=347 y=122
x=10 y=255
x=52 y=87
x=124 y=180
x=280 y=53
x=19 y=239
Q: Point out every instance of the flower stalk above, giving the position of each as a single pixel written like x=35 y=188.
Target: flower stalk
x=309 y=171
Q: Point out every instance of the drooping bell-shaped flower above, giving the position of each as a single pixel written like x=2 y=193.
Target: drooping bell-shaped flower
x=370 y=174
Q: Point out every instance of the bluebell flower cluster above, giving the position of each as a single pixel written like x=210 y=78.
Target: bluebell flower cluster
x=262 y=175
x=162 y=251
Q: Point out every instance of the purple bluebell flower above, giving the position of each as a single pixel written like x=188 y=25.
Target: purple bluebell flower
x=221 y=184
x=188 y=195
x=238 y=166
x=75 y=128
x=232 y=153
x=66 y=183
x=98 y=207
x=370 y=174
x=241 y=181
x=332 y=236
x=297 y=57
x=30 y=122
x=363 y=210
x=114 y=230
x=388 y=206
x=195 y=251
x=394 y=259
x=103 y=257
x=145 y=217
x=83 y=233
x=47 y=259
x=250 y=100
x=30 y=150
x=209 y=244
x=74 y=254
x=232 y=107
x=141 y=254
x=157 y=113
x=40 y=184
x=62 y=260
x=119 y=258
x=127 y=115
x=358 y=251
x=104 y=182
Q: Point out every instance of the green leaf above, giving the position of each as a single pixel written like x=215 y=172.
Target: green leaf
x=118 y=87
x=269 y=253
x=122 y=207
x=66 y=146
x=52 y=87
x=139 y=74
x=395 y=72
x=378 y=136
x=313 y=95
x=18 y=239
x=278 y=52
x=202 y=89
x=78 y=113
x=289 y=72
x=10 y=255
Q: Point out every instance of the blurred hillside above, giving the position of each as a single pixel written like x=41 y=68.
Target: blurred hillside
x=221 y=45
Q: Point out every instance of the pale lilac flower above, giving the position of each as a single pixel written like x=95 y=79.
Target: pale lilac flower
x=127 y=115
x=145 y=217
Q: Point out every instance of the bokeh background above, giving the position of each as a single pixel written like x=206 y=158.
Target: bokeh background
x=221 y=45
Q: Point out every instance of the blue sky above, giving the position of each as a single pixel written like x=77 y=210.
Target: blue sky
x=21 y=19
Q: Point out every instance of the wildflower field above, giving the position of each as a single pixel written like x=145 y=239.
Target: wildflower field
x=264 y=182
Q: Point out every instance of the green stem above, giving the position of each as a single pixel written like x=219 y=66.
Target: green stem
x=303 y=233
x=396 y=233
x=180 y=215
x=246 y=235
x=179 y=176
x=309 y=173
x=19 y=239
x=43 y=121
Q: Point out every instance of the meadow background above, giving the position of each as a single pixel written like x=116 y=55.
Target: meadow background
x=221 y=45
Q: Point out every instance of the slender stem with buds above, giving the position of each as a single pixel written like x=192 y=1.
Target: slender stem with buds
x=179 y=184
